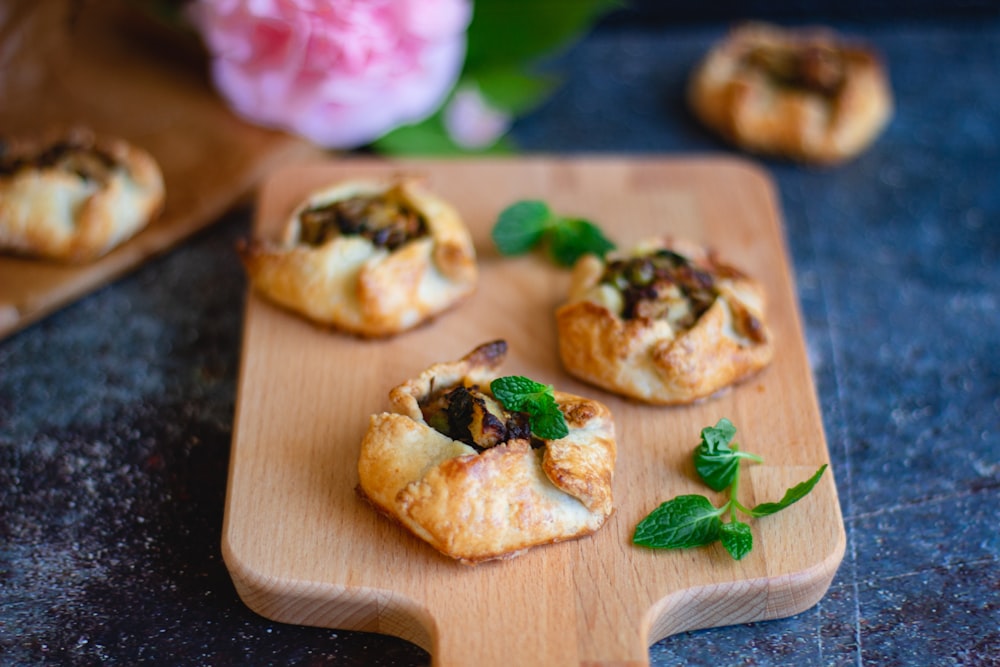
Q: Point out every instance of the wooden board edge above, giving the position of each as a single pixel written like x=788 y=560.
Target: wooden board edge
x=326 y=605
x=307 y=602
x=754 y=170
x=279 y=599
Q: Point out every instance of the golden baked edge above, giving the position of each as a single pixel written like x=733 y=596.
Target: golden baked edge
x=353 y=286
x=476 y=507
x=645 y=359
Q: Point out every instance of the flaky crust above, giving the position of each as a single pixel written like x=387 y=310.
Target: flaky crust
x=739 y=100
x=352 y=285
x=482 y=506
x=49 y=210
x=647 y=359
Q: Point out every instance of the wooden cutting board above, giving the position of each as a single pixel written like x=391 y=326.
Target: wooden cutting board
x=302 y=548
x=103 y=65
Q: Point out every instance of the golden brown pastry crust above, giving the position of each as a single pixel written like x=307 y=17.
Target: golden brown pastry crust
x=74 y=197
x=732 y=93
x=647 y=358
x=495 y=504
x=353 y=285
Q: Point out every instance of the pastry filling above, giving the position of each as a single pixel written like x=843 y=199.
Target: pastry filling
x=386 y=220
x=472 y=416
x=72 y=156
x=811 y=68
x=661 y=285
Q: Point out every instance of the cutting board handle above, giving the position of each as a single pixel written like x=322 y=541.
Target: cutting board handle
x=549 y=635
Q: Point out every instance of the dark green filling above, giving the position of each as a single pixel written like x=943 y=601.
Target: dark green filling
x=386 y=220
x=72 y=156
x=814 y=69
x=662 y=284
x=468 y=415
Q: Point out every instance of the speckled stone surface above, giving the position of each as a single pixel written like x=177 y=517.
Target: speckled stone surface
x=116 y=413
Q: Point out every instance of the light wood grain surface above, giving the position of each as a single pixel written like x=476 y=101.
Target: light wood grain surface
x=302 y=548
x=105 y=66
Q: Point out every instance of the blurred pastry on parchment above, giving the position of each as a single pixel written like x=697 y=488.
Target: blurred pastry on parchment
x=75 y=196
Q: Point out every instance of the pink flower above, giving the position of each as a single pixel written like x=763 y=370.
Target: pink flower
x=470 y=120
x=338 y=72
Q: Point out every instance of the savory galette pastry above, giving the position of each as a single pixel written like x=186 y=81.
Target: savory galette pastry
x=667 y=323
x=804 y=94
x=468 y=476
x=368 y=257
x=74 y=198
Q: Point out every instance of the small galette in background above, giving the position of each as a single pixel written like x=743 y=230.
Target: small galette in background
x=804 y=94
x=75 y=197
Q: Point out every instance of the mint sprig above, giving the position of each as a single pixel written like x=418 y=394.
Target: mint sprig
x=522 y=394
x=693 y=521
x=525 y=224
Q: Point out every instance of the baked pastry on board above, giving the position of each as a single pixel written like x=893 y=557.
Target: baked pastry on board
x=74 y=197
x=469 y=477
x=805 y=94
x=369 y=257
x=667 y=323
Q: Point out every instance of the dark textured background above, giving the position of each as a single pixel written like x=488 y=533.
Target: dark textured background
x=678 y=12
x=116 y=413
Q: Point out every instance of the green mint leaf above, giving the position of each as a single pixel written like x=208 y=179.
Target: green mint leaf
x=516 y=390
x=681 y=523
x=522 y=394
x=715 y=462
x=718 y=436
x=520 y=226
x=512 y=90
x=547 y=420
x=717 y=470
x=736 y=538
x=572 y=238
x=429 y=137
x=792 y=495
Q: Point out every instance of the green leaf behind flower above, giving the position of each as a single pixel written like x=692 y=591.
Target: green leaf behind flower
x=430 y=138
x=516 y=32
x=506 y=40
x=512 y=90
